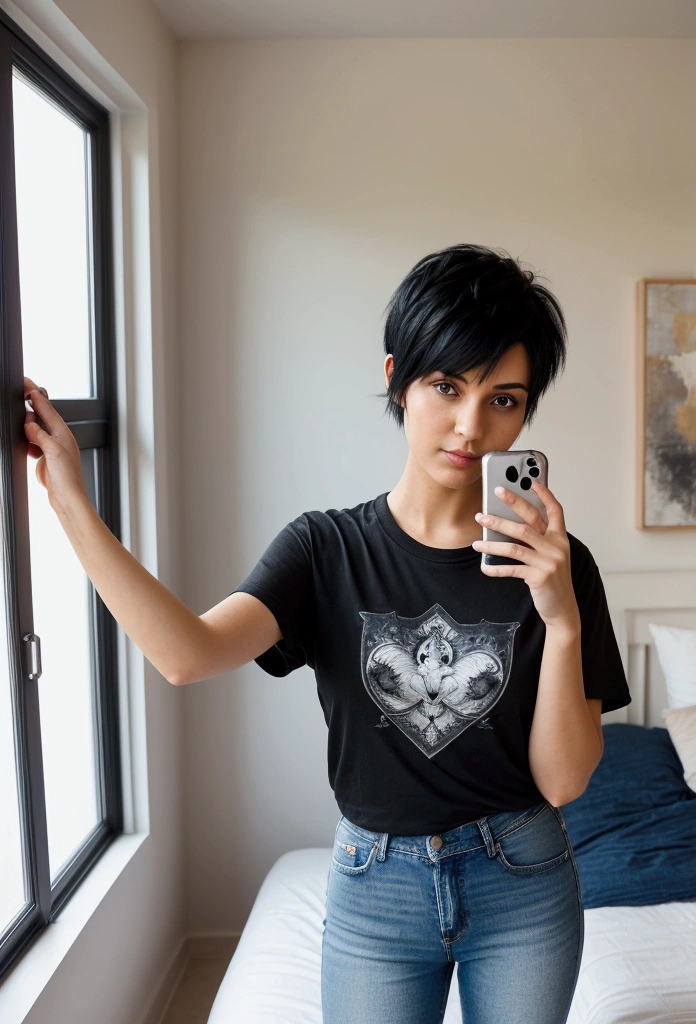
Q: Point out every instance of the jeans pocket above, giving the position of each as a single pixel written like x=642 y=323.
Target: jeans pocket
x=537 y=845
x=352 y=854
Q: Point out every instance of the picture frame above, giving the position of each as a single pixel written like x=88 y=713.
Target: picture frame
x=666 y=404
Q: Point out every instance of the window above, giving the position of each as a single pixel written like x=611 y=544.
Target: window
x=60 y=776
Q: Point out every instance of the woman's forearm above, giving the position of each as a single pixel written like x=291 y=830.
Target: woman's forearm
x=163 y=627
x=564 y=746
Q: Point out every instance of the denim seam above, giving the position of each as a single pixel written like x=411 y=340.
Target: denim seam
x=436 y=875
x=428 y=859
x=376 y=836
x=458 y=937
x=463 y=908
x=445 y=996
x=463 y=904
x=392 y=849
x=361 y=868
x=580 y=908
x=455 y=853
x=523 y=869
x=514 y=827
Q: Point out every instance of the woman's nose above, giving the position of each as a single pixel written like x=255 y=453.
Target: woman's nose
x=469 y=423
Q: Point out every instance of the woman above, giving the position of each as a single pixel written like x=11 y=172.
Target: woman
x=463 y=700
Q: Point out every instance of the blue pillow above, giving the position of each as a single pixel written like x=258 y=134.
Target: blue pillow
x=633 y=830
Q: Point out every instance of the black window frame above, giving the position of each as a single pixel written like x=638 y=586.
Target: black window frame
x=93 y=421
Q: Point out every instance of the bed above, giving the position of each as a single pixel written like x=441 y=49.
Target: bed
x=639 y=956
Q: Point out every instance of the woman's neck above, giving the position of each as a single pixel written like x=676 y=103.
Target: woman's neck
x=435 y=515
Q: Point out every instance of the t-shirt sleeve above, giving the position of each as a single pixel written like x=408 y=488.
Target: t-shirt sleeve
x=602 y=668
x=283 y=579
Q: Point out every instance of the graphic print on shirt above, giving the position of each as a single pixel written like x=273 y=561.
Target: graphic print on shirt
x=431 y=676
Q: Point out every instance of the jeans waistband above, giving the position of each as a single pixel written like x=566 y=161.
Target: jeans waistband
x=484 y=831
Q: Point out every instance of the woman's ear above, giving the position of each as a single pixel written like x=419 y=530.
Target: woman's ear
x=388 y=368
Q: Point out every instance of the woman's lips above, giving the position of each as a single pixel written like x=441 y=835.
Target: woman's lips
x=460 y=460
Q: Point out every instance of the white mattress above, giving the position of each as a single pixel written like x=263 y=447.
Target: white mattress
x=638 y=964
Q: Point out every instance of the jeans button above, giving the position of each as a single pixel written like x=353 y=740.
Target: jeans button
x=436 y=842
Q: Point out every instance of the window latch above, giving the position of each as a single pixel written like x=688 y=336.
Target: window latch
x=33 y=649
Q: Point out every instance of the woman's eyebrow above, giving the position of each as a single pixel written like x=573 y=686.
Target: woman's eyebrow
x=498 y=387
x=508 y=386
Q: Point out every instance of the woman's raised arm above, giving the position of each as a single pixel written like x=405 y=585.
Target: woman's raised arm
x=183 y=646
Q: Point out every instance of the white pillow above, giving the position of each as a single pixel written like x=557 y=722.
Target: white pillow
x=676 y=650
x=681 y=725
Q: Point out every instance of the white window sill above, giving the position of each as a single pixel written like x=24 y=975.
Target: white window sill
x=22 y=986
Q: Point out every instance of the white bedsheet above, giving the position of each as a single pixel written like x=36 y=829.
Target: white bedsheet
x=638 y=964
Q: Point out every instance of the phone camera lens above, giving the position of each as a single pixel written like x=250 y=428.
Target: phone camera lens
x=531 y=462
x=534 y=471
x=511 y=473
x=525 y=483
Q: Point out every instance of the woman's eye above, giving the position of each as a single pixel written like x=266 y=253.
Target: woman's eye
x=510 y=402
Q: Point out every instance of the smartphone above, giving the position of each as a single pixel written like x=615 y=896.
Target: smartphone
x=514 y=470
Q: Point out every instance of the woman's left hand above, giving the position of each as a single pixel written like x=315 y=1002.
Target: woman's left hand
x=544 y=550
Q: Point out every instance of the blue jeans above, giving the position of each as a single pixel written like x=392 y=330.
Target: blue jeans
x=499 y=896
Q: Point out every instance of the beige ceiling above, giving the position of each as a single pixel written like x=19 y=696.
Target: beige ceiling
x=343 y=19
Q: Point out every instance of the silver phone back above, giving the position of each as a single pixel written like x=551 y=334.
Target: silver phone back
x=495 y=467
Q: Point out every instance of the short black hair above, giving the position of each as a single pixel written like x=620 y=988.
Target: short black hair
x=463 y=307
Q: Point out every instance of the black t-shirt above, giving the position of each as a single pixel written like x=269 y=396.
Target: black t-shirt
x=427 y=669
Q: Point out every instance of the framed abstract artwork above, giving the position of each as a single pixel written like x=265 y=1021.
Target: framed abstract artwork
x=666 y=362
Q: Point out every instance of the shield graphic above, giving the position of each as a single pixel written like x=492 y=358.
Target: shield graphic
x=431 y=676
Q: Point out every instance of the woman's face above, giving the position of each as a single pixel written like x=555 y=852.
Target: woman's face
x=443 y=413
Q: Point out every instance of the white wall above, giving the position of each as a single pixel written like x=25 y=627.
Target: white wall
x=313 y=175
x=112 y=972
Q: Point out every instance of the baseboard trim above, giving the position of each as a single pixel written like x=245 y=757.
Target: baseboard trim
x=206 y=946
x=193 y=947
x=167 y=985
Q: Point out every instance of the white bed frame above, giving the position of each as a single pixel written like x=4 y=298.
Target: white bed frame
x=635 y=599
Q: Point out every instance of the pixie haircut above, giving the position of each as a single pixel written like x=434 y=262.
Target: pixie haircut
x=462 y=308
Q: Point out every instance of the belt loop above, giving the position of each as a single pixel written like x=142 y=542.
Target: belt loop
x=485 y=831
x=382 y=848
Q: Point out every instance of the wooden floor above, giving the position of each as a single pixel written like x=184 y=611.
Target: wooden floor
x=197 y=989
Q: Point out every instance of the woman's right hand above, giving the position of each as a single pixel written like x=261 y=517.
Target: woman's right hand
x=58 y=468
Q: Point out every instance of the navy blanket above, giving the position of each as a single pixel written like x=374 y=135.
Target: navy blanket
x=633 y=830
